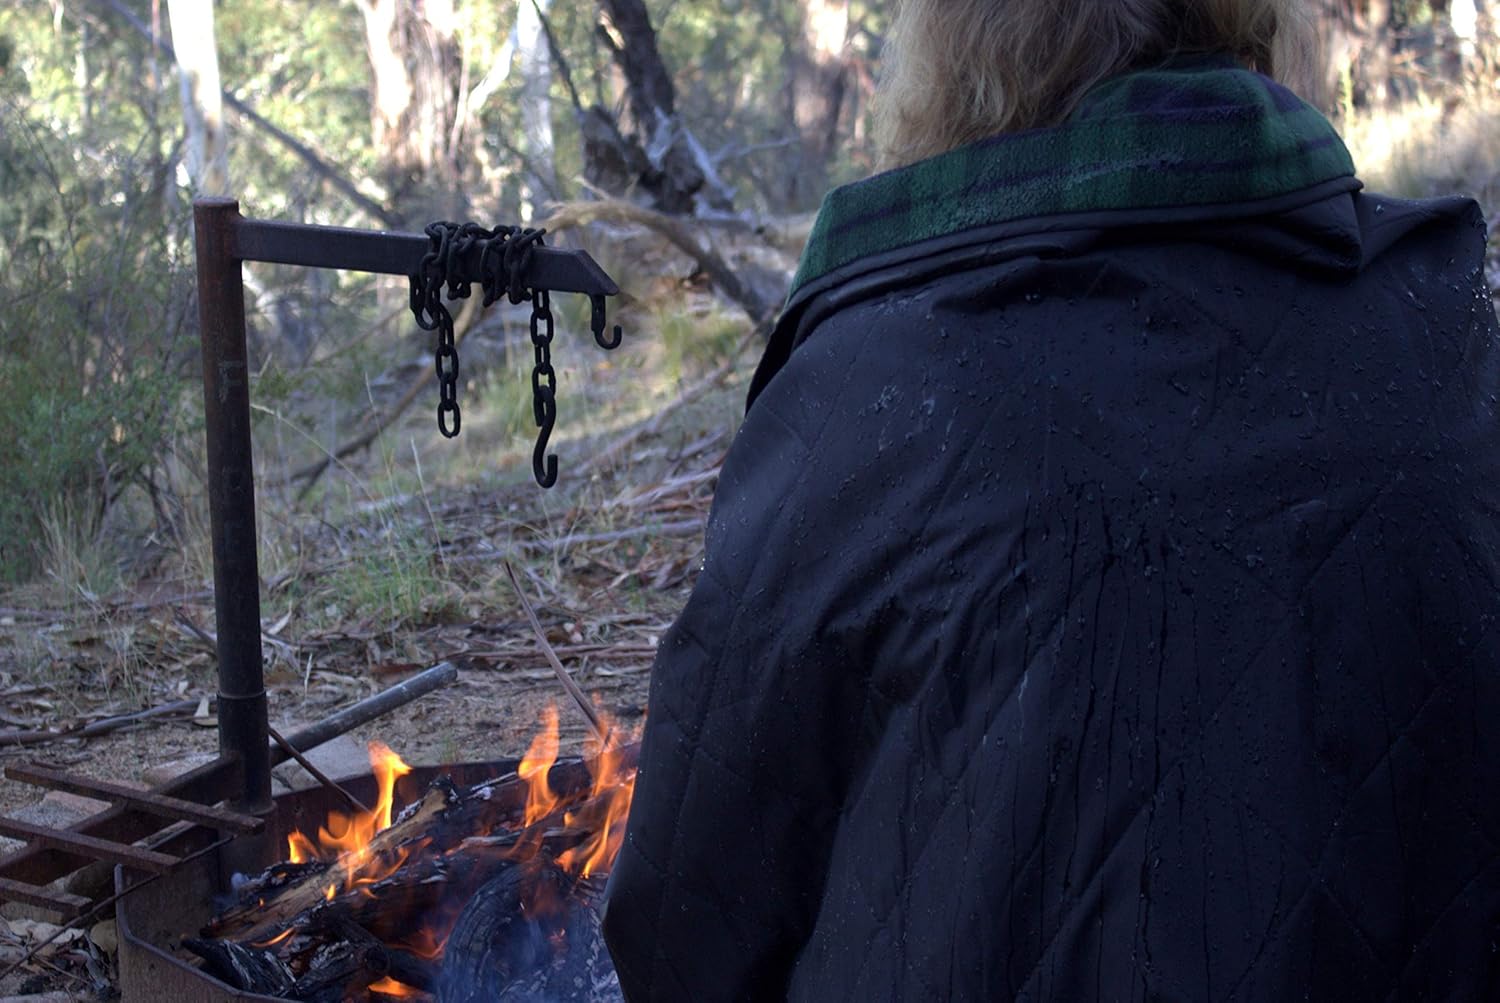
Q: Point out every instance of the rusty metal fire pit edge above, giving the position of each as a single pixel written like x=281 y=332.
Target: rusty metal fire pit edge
x=179 y=903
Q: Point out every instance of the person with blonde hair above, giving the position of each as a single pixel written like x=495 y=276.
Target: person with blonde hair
x=1101 y=596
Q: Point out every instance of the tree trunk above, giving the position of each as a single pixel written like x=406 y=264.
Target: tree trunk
x=192 y=23
x=540 y=178
x=1485 y=42
x=678 y=173
x=817 y=88
x=1449 y=57
x=1375 y=87
x=648 y=84
x=415 y=67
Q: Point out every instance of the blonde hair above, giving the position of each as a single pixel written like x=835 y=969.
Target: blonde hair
x=956 y=71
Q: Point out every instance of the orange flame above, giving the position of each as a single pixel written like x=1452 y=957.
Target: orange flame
x=601 y=813
x=347 y=837
x=390 y=987
x=300 y=849
x=537 y=764
x=608 y=807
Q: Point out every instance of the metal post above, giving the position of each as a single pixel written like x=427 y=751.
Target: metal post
x=231 y=481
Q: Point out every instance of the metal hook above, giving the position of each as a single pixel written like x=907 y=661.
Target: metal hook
x=597 y=322
x=545 y=473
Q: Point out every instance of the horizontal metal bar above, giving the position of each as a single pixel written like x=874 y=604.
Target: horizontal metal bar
x=395 y=253
x=161 y=805
x=66 y=904
x=98 y=849
x=210 y=783
x=37 y=865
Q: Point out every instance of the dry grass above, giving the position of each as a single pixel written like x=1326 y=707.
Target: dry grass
x=1432 y=146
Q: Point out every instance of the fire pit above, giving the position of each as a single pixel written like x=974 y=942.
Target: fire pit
x=151 y=919
x=483 y=886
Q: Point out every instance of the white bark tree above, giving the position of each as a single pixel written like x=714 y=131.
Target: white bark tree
x=415 y=67
x=192 y=23
x=536 y=106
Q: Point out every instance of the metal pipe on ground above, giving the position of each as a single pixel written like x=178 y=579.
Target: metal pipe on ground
x=366 y=710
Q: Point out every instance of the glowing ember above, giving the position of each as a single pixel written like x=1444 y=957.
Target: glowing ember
x=425 y=943
x=283 y=935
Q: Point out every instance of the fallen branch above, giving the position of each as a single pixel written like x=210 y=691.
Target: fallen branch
x=182 y=708
x=701 y=250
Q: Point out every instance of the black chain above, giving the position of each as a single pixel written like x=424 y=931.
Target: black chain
x=428 y=309
x=543 y=387
x=504 y=264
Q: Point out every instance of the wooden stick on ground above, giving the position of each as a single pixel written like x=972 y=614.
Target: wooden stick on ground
x=104 y=726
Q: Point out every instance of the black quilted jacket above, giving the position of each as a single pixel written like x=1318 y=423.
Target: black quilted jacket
x=1098 y=607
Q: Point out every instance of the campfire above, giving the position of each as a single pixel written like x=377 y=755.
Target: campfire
x=462 y=895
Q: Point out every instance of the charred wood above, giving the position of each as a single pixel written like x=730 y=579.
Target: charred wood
x=504 y=933
x=530 y=933
x=339 y=969
x=252 y=969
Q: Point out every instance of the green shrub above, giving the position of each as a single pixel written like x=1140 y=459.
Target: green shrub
x=91 y=304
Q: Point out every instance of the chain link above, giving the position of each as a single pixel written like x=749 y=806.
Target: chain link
x=543 y=387
x=504 y=264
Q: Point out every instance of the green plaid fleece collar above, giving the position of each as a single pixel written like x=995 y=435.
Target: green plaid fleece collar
x=1193 y=132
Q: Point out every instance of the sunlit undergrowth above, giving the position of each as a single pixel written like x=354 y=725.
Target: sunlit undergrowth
x=1440 y=144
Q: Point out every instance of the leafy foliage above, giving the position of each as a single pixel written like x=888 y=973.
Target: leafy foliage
x=90 y=307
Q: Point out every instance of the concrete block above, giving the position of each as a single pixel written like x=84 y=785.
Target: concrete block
x=339 y=759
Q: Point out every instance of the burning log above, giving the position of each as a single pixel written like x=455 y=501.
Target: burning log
x=258 y=917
